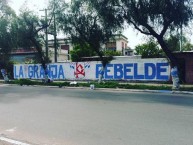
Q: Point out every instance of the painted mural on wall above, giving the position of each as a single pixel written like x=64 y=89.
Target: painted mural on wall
x=133 y=69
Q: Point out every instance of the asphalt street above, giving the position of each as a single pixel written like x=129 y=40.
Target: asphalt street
x=63 y=116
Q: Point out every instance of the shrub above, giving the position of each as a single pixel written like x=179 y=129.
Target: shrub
x=108 y=84
x=23 y=82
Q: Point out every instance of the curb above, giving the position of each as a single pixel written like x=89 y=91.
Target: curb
x=111 y=89
x=150 y=91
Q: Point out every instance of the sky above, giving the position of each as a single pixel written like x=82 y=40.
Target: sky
x=134 y=37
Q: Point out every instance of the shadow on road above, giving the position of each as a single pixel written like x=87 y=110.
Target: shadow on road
x=13 y=94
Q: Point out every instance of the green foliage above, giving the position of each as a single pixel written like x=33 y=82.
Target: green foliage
x=30 y=34
x=78 y=52
x=152 y=18
x=187 y=46
x=25 y=82
x=108 y=84
x=111 y=53
x=149 y=50
x=21 y=31
x=35 y=82
x=7 y=39
x=24 y=29
x=83 y=25
x=173 y=43
x=59 y=84
x=146 y=16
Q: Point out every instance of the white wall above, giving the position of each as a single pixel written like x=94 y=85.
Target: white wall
x=134 y=69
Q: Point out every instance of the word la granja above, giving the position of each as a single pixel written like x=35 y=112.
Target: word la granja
x=37 y=71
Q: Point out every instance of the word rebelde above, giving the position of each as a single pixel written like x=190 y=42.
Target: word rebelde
x=132 y=71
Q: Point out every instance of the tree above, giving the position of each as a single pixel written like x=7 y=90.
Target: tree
x=150 y=17
x=78 y=52
x=173 y=43
x=30 y=34
x=111 y=53
x=187 y=47
x=7 y=29
x=149 y=50
x=83 y=25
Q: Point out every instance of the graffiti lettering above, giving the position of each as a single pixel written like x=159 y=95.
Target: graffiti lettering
x=132 y=71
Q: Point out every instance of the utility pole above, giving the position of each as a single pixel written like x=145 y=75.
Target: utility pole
x=46 y=19
x=46 y=31
x=181 y=33
x=55 y=45
x=181 y=25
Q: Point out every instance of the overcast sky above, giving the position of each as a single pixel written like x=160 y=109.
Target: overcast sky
x=36 y=5
x=32 y=4
x=134 y=37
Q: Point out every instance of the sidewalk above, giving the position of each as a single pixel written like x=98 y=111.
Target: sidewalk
x=9 y=141
x=5 y=143
x=130 y=83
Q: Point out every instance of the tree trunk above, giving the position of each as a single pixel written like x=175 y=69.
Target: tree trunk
x=174 y=63
x=103 y=66
x=42 y=58
x=39 y=49
x=101 y=74
x=171 y=57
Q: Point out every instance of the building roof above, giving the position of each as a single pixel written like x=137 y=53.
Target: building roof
x=119 y=36
x=183 y=51
x=24 y=51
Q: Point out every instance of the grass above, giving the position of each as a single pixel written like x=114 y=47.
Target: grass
x=107 y=84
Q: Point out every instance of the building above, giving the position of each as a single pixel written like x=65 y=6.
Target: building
x=64 y=46
x=117 y=43
x=24 y=55
x=186 y=62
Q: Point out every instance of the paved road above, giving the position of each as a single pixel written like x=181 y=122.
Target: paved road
x=61 y=116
